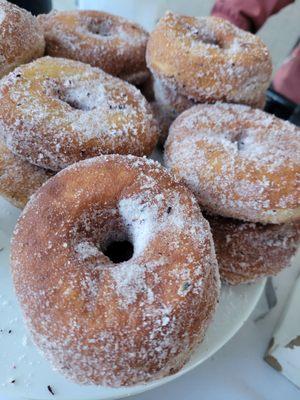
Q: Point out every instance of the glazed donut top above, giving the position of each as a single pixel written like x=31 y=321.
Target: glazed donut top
x=106 y=323
x=103 y=40
x=54 y=112
x=209 y=59
x=240 y=162
x=21 y=38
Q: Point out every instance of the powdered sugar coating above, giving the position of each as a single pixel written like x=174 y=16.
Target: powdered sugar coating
x=54 y=112
x=105 y=323
x=18 y=178
x=102 y=40
x=21 y=38
x=247 y=251
x=208 y=59
x=240 y=162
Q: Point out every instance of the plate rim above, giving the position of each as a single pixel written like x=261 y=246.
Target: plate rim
x=148 y=386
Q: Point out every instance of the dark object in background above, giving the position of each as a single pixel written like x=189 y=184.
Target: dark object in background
x=34 y=6
x=282 y=107
x=279 y=105
x=295 y=118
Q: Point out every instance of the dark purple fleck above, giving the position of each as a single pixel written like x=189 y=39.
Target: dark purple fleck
x=50 y=390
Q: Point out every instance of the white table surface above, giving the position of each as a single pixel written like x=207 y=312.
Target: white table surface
x=237 y=371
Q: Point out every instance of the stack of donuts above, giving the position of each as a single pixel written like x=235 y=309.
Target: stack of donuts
x=115 y=267
x=70 y=104
x=243 y=165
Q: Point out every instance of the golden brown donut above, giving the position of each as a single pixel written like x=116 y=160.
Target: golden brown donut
x=240 y=162
x=21 y=37
x=54 y=112
x=208 y=59
x=247 y=251
x=102 y=40
x=18 y=178
x=123 y=322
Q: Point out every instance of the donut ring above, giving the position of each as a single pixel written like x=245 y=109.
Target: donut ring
x=247 y=251
x=129 y=322
x=102 y=40
x=209 y=59
x=54 y=112
x=240 y=162
x=21 y=37
x=18 y=178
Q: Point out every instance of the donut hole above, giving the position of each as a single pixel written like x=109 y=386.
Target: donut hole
x=119 y=251
x=238 y=138
x=210 y=40
x=103 y=28
x=206 y=38
x=77 y=99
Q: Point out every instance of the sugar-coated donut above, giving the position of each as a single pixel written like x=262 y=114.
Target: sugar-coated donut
x=21 y=37
x=247 y=251
x=18 y=178
x=102 y=40
x=208 y=59
x=240 y=162
x=54 y=112
x=107 y=323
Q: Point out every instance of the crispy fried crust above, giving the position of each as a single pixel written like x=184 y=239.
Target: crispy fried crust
x=102 y=40
x=248 y=251
x=18 y=178
x=21 y=37
x=105 y=323
x=54 y=112
x=240 y=162
x=209 y=59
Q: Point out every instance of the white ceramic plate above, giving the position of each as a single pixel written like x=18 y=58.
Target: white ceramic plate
x=23 y=371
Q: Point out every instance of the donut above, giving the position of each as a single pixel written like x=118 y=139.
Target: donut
x=18 y=178
x=240 y=162
x=54 y=112
x=21 y=37
x=102 y=40
x=208 y=59
x=247 y=251
x=115 y=271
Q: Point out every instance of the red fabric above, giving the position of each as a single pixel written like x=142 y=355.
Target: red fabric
x=248 y=14
x=287 y=78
